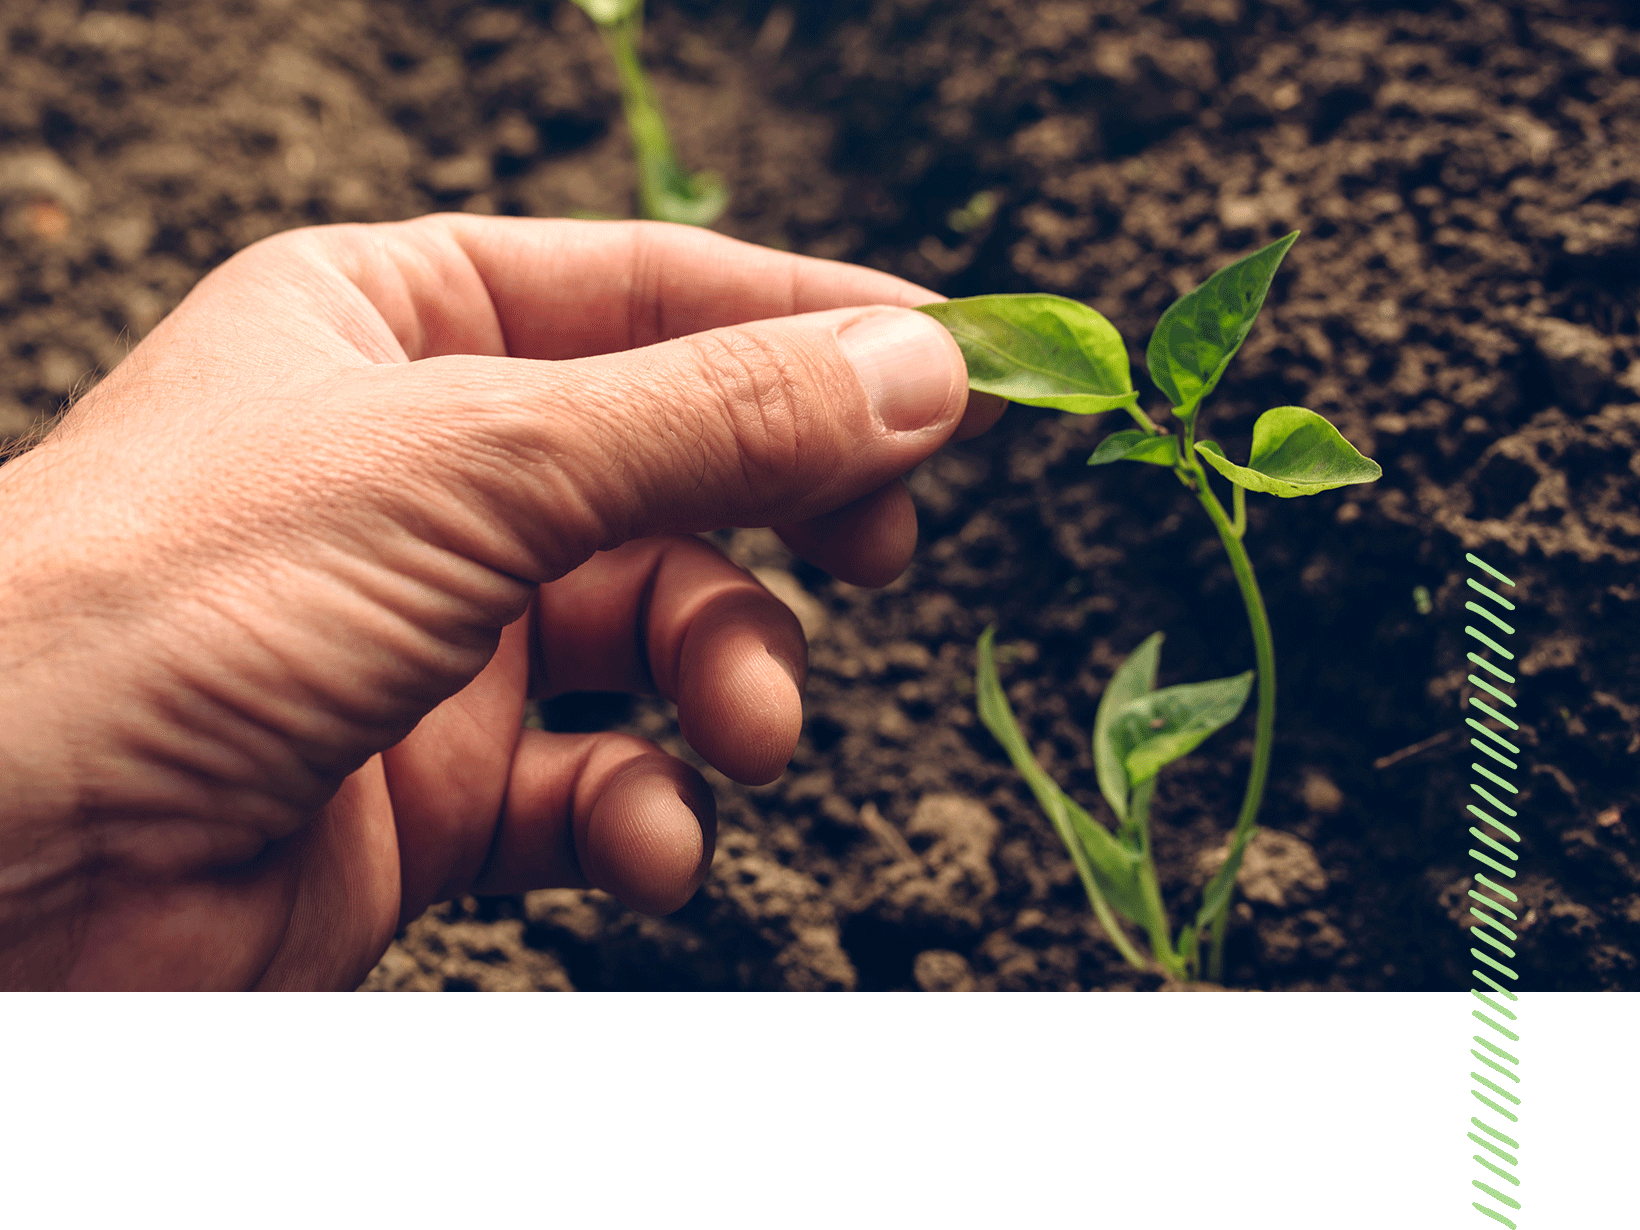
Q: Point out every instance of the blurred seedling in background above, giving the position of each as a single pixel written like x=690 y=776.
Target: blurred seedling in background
x=665 y=190
x=975 y=212
x=1056 y=353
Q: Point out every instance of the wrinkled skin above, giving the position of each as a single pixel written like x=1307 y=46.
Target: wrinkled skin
x=274 y=595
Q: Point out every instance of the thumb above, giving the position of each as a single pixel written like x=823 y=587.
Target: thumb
x=772 y=422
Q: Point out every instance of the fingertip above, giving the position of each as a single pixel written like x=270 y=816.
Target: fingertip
x=741 y=707
x=866 y=543
x=650 y=838
x=982 y=413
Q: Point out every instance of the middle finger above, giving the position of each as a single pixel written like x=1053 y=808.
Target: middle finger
x=673 y=616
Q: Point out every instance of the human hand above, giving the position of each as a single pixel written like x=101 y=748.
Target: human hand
x=274 y=594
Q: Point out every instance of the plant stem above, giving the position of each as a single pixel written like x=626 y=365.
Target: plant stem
x=656 y=157
x=1143 y=419
x=1265 y=656
x=1238 y=497
x=1161 y=944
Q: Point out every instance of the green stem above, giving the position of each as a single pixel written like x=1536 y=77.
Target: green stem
x=1189 y=950
x=1265 y=656
x=656 y=156
x=1143 y=419
x=1238 y=496
x=1215 y=953
x=1161 y=945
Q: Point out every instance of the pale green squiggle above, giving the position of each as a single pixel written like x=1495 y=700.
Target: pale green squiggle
x=1488 y=929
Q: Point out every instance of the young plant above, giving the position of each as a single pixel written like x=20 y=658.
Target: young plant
x=665 y=190
x=1044 y=350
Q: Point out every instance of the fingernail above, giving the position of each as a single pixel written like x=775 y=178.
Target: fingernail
x=903 y=359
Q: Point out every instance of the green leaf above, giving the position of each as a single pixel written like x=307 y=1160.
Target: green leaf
x=1159 y=727
x=1040 y=350
x=1114 y=865
x=1134 y=678
x=668 y=194
x=979 y=210
x=1110 y=870
x=1200 y=334
x=1158 y=450
x=608 y=12
x=1295 y=452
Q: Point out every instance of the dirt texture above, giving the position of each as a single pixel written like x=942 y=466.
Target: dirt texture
x=1463 y=306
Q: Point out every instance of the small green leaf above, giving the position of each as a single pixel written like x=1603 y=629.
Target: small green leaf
x=1134 y=678
x=669 y=194
x=1040 y=350
x=1114 y=865
x=1295 y=452
x=1110 y=871
x=1158 y=450
x=1200 y=334
x=608 y=12
x=1159 y=727
x=979 y=210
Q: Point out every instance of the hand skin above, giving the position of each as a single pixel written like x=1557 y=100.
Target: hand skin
x=274 y=594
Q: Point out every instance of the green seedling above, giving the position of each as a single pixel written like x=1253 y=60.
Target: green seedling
x=979 y=209
x=665 y=190
x=1047 y=351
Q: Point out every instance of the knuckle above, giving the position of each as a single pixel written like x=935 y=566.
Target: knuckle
x=612 y=755
x=618 y=749
x=758 y=393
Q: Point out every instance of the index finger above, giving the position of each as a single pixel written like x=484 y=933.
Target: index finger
x=585 y=288
x=567 y=289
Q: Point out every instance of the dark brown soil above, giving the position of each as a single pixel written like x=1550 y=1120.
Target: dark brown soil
x=1463 y=306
